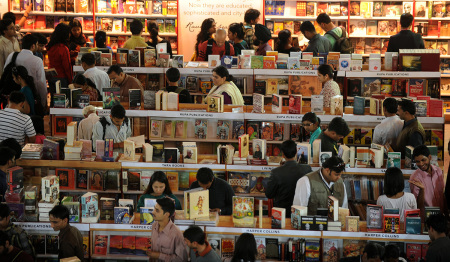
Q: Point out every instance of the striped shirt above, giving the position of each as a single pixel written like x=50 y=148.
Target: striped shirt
x=14 y=124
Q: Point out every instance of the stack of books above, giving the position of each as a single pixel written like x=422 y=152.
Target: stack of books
x=45 y=208
x=73 y=152
x=32 y=151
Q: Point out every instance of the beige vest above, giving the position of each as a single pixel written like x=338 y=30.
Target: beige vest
x=320 y=192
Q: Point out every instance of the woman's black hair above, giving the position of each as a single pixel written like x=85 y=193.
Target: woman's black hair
x=311 y=117
x=153 y=29
x=245 y=248
x=393 y=181
x=23 y=73
x=100 y=39
x=283 y=39
x=204 y=32
x=82 y=80
x=80 y=40
x=223 y=72
x=237 y=28
x=326 y=69
x=60 y=35
x=158 y=176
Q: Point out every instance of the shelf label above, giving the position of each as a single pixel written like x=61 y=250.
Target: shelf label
x=267 y=168
x=174 y=165
x=262 y=231
x=407 y=74
x=380 y=118
x=382 y=235
x=141 y=227
x=36 y=226
x=104 y=112
x=300 y=72
x=192 y=114
x=294 y=117
x=200 y=71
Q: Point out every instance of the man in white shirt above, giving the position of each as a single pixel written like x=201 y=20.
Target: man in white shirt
x=389 y=129
x=115 y=126
x=8 y=41
x=33 y=64
x=99 y=77
x=87 y=124
x=313 y=189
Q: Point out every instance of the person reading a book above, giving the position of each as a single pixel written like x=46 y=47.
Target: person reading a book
x=220 y=192
x=136 y=40
x=99 y=77
x=70 y=238
x=329 y=87
x=427 y=180
x=87 y=124
x=217 y=46
x=200 y=250
x=168 y=243
x=285 y=43
x=236 y=35
x=314 y=188
x=116 y=126
x=311 y=123
x=439 y=248
x=157 y=188
x=317 y=43
x=261 y=38
x=155 y=39
x=405 y=39
x=332 y=32
x=245 y=249
x=87 y=86
x=394 y=197
x=412 y=133
x=388 y=130
x=223 y=85
x=251 y=18
x=125 y=82
x=283 y=179
x=337 y=130
x=10 y=253
x=77 y=39
x=172 y=78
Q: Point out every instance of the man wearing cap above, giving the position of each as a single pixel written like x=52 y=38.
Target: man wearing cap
x=260 y=39
x=313 y=189
x=405 y=39
x=317 y=43
x=437 y=9
x=87 y=124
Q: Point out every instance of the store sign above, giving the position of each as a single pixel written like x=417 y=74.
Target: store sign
x=191 y=14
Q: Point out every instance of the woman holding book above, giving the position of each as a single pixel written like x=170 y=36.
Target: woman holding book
x=21 y=77
x=87 y=87
x=223 y=85
x=236 y=34
x=329 y=87
x=285 y=42
x=155 y=39
x=394 y=197
x=158 y=188
x=77 y=39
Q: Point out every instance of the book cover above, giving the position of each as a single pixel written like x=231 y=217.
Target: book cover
x=353 y=247
x=111 y=97
x=278 y=217
x=239 y=181
x=169 y=129
x=359 y=105
x=155 y=128
x=330 y=250
x=375 y=218
x=257 y=62
x=52 y=244
x=411 y=63
x=227 y=248
x=391 y=223
x=172 y=177
x=238 y=129
x=243 y=145
x=200 y=129
x=96 y=179
x=199 y=204
x=352 y=223
x=129 y=245
x=243 y=211
x=272 y=248
x=371 y=86
x=115 y=244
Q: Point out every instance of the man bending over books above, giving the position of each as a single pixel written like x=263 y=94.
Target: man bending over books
x=116 y=126
x=124 y=82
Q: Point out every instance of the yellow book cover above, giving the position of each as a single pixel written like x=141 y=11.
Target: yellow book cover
x=271 y=86
x=272 y=53
x=366 y=9
x=269 y=62
x=199 y=204
x=243 y=146
x=278 y=26
x=173 y=181
x=243 y=211
x=213 y=104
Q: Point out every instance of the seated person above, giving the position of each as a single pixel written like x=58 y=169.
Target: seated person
x=220 y=192
x=172 y=78
x=157 y=188
x=337 y=129
x=115 y=126
x=124 y=82
x=217 y=46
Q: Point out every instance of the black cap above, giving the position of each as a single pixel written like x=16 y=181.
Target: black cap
x=262 y=33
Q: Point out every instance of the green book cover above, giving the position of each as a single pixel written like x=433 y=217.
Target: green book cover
x=257 y=61
x=183 y=180
x=394 y=159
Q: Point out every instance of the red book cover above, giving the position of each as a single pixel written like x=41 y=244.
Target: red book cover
x=111 y=147
x=129 y=245
x=435 y=108
x=15 y=178
x=429 y=62
x=300 y=9
x=66 y=178
x=40 y=22
x=295 y=104
x=391 y=223
x=115 y=244
x=142 y=245
x=101 y=244
x=60 y=126
x=413 y=252
x=416 y=87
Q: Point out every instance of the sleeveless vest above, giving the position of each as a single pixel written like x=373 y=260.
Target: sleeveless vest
x=406 y=133
x=320 y=192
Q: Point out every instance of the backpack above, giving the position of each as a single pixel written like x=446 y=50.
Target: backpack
x=342 y=44
x=7 y=83
x=209 y=47
x=105 y=123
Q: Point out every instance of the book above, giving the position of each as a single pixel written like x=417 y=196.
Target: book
x=243 y=211
x=394 y=159
x=111 y=97
x=243 y=145
x=391 y=223
x=272 y=248
x=239 y=181
x=227 y=247
x=200 y=129
x=196 y=203
x=359 y=105
x=278 y=217
x=352 y=223
x=375 y=218
x=333 y=208
x=295 y=104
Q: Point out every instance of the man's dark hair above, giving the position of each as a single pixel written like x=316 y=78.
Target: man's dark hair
x=28 y=41
x=11 y=16
x=118 y=111
x=4 y=23
x=421 y=150
x=100 y=39
x=3 y=238
x=408 y=106
x=323 y=18
x=335 y=164
x=136 y=27
x=289 y=148
x=393 y=181
x=60 y=211
x=41 y=38
x=374 y=250
x=391 y=105
x=406 y=20
x=167 y=205
x=89 y=59
x=205 y=175
x=307 y=26
x=195 y=234
x=17 y=97
x=4 y=211
x=311 y=117
x=173 y=74
x=391 y=251
x=114 y=68
x=438 y=222
x=14 y=145
x=326 y=69
x=251 y=14
x=339 y=126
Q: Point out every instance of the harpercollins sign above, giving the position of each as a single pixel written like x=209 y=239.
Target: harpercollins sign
x=191 y=14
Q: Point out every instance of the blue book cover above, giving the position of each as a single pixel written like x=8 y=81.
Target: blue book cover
x=358 y=106
x=122 y=215
x=357 y=189
x=413 y=225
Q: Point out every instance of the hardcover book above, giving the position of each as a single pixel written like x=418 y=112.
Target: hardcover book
x=239 y=181
x=243 y=211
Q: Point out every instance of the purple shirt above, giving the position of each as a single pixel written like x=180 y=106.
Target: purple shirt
x=262 y=49
x=434 y=186
x=169 y=242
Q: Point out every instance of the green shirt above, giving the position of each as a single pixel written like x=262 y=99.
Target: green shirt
x=144 y=196
x=338 y=31
x=313 y=137
x=135 y=41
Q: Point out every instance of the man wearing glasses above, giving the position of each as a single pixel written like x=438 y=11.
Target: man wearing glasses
x=313 y=189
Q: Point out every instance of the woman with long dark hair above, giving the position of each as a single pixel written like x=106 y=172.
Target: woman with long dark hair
x=87 y=86
x=155 y=39
x=236 y=34
x=77 y=39
x=22 y=78
x=207 y=29
x=223 y=85
x=245 y=248
x=158 y=188
x=59 y=55
x=285 y=42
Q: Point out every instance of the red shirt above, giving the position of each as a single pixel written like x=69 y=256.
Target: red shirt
x=216 y=50
x=59 y=59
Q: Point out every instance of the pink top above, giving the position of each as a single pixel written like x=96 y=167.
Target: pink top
x=169 y=242
x=39 y=139
x=434 y=186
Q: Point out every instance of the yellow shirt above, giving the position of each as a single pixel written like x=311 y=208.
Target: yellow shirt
x=135 y=41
